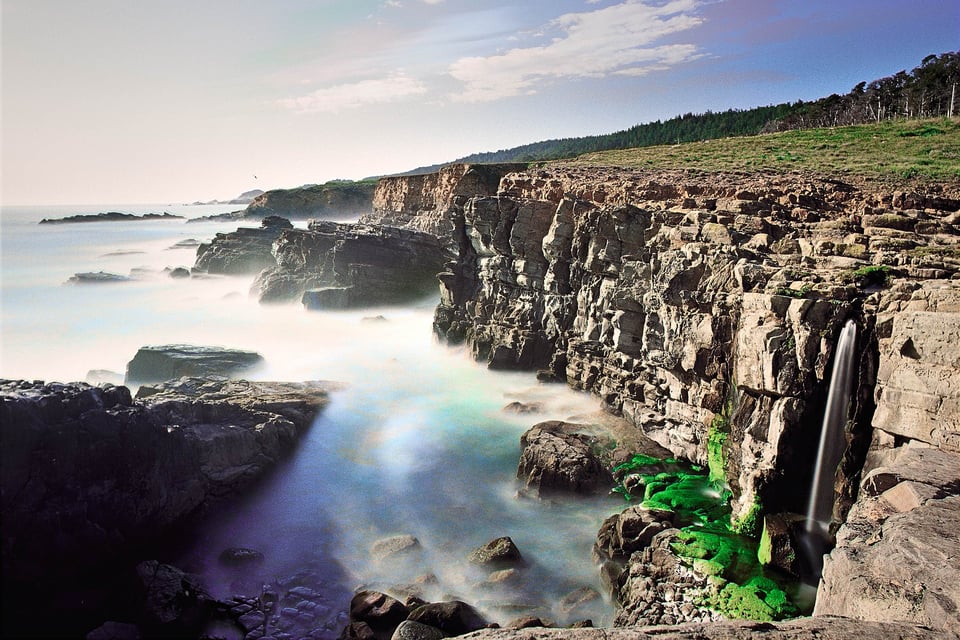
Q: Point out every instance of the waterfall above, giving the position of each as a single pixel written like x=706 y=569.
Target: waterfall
x=832 y=442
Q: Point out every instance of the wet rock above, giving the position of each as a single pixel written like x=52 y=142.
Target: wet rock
x=780 y=542
x=88 y=472
x=633 y=529
x=453 y=618
x=378 y=610
x=553 y=460
x=498 y=553
x=410 y=630
x=179 y=273
x=173 y=600
x=167 y=362
x=98 y=277
x=115 y=631
x=240 y=556
x=394 y=547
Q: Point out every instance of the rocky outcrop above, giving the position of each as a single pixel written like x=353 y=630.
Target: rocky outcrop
x=240 y=252
x=166 y=362
x=88 y=473
x=897 y=555
x=334 y=265
x=425 y=202
x=336 y=200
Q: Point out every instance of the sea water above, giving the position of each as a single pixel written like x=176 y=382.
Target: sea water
x=416 y=442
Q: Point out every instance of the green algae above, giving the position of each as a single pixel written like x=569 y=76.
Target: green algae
x=708 y=541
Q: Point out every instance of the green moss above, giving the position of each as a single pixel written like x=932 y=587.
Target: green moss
x=716 y=439
x=873 y=275
x=751 y=522
x=699 y=501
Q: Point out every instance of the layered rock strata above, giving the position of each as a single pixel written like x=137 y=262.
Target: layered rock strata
x=425 y=202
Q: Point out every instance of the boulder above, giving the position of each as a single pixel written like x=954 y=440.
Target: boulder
x=167 y=362
x=174 y=601
x=553 y=460
x=378 y=610
x=499 y=553
x=410 y=630
x=453 y=618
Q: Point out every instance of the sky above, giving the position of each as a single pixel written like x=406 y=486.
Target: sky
x=154 y=101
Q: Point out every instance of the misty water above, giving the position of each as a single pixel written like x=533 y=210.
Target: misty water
x=416 y=443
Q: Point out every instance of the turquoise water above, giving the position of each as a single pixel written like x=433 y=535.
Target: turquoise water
x=415 y=444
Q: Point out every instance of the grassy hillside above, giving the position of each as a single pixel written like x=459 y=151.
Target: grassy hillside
x=891 y=151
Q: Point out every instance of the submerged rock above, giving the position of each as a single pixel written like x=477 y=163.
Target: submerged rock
x=98 y=277
x=168 y=362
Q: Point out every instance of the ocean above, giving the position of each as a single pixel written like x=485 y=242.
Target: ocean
x=417 y=443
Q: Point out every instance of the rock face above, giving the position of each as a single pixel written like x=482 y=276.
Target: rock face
x=918 y=397
x=425 y=202
x=88 y=472
x=168 y=362
x=333 y=265
x=244 y=251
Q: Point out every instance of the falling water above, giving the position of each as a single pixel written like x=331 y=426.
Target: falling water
x=820 y=511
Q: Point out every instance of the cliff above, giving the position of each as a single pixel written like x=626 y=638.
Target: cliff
x=705 y=309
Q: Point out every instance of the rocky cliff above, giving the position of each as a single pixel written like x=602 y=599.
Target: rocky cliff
x=425 y=202
x=705 y=309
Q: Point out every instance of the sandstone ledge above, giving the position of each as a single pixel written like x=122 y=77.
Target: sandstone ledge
x=824 y=628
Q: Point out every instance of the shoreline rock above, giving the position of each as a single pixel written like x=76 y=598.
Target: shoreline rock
x=111 y=216
x=91 y=476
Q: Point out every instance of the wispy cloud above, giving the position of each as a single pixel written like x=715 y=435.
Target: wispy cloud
x=356 y=94
x=617 y=40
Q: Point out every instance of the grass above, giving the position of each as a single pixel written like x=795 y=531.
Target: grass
x=899 y=151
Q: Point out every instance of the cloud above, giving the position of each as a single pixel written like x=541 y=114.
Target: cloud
x=356 y=94
x=616 y=40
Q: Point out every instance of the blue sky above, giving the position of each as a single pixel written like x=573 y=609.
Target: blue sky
x=111 y=101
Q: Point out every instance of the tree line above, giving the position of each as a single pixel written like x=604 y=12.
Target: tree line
x=928 y=91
